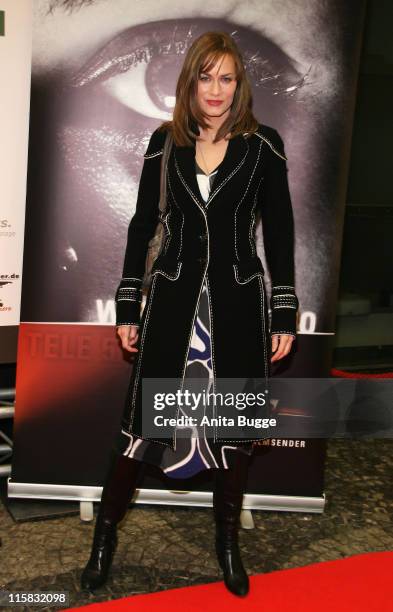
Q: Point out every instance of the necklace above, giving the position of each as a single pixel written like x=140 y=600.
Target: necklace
x=205 y=168
x=204 y=161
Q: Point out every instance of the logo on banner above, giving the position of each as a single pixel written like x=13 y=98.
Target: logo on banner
x=6 y=281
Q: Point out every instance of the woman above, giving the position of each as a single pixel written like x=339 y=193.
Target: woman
x=207 y=289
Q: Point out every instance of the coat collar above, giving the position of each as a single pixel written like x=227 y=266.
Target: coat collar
x=234 y=158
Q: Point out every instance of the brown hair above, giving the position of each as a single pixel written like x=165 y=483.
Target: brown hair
x=202 y=55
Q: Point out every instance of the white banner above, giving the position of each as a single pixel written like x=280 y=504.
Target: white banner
x=15 y=71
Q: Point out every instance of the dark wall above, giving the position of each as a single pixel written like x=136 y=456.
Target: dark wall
x=370 y=176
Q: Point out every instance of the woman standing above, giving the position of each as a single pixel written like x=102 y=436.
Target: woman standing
x=207 y=296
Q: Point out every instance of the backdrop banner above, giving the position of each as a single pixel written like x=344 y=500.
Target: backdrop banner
x=103 y=78
x=15 y=71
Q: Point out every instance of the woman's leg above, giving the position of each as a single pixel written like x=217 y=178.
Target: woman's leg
x=119 y=487
x=229 y=486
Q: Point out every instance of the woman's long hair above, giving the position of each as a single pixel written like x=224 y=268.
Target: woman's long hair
x=202 y=55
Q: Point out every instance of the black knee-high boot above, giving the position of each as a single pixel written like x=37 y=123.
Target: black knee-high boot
x=119 y=487
x=229 y=487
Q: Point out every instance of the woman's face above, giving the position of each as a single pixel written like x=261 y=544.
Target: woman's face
x=217 y=87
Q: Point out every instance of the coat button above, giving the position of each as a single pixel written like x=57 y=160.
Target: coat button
x=202 y=237
x=202 y=259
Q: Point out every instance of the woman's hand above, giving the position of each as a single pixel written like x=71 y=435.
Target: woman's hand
x=129 y=337
x=282 y=342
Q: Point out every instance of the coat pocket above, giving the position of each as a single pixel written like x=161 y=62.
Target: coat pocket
x=167 y=266
x=248 y=269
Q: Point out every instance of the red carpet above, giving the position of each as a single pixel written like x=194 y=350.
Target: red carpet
x=353 y=584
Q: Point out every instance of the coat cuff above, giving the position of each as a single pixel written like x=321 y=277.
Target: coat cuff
x=128 y=301
x=284 y=305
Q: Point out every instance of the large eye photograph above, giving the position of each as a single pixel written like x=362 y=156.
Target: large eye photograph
x=103 y=113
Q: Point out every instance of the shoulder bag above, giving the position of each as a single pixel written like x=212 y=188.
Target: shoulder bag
x=156 y=243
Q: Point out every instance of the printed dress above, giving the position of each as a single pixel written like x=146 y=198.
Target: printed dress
x=194 y=451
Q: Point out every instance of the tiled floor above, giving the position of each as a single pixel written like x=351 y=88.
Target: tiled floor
x=167 y=547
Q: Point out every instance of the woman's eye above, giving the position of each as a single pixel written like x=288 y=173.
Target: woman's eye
x=207 y=78
x=139 y=67
x=130 y=89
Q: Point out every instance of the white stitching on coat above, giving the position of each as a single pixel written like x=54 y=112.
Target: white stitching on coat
x=235 y=267
x=188 y=189
x=224 y=181
x=262 y=288
x=244 y=195
x=149 y=155
x=287 y=333
x=134 y=324
x=283 y=287
x=252 y=219
x=172 y=278
x=270 y=145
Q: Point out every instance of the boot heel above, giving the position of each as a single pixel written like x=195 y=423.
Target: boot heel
x=97 y=569
x=235 y=576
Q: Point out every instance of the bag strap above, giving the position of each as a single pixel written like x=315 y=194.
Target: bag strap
x=164 y=165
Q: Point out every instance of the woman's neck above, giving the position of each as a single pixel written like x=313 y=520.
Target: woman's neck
x=214 y=125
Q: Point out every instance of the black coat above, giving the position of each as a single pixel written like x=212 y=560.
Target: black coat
x=212 y=241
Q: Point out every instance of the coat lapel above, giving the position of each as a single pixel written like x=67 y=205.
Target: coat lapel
x=185 y=166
